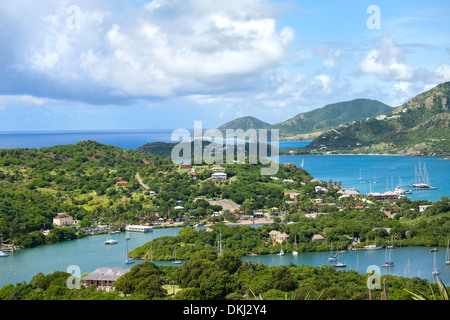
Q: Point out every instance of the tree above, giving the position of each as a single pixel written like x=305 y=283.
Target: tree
x=282 y=279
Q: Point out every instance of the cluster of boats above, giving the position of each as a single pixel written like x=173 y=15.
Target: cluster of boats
x=128 y=228
x=389 y=263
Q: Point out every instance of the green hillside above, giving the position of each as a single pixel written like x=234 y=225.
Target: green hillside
x=308 y=125
x=418 y=127
x=314 y=122
x=244 y=123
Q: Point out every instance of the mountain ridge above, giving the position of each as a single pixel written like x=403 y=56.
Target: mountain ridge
x=418 y=127
x=308 y=125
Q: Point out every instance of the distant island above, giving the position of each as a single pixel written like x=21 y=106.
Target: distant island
x=419 y=127
x=309 y=125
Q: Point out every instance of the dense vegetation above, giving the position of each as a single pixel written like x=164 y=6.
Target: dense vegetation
x=81 y=180
x=331 y=115
x=312 y=123
x=407 y=228
x=207 y=276
x=244 y=123
x=419 y=127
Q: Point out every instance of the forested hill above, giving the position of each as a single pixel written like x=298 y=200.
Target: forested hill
x=244 y=123
x=310 y=124
x=329 y=116
x=418 y=127
x=97 y=183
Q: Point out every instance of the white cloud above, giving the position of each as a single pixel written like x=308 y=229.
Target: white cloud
x=443 y=72
x=387 y=62
x=163 y=51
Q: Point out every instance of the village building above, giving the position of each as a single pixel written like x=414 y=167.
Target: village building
x=292 y=195
x=389 y=195
x=185 y=166
x=321 y=189
x=278 y=236
x=423 y=208
x=348 y=193
x=219 y=176
x=122 y=183
x=104 y=278
x=218 y=169
x=291 y=165
x=317 y=238
x=63 y=220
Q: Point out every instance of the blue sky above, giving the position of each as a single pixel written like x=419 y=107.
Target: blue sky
x=163 y=64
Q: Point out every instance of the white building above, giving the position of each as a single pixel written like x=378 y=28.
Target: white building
x=423 y=208
x=219 y=176
x=62 y=220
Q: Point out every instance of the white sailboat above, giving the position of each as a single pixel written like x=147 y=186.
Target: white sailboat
x=127 y=259
x=332 y=257
x=389 y=263
x=110 y=240
x=3 y=253
x=175 y=254
x=435 y=269
x=295 y=252
x=339 y=264
x=303 y=163
x=447 y=254
x=422 y=179
x=281 y=253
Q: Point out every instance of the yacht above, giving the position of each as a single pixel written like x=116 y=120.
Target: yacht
x=3 y=253
x=295 y=252
x=127 y=259
x=281 y=253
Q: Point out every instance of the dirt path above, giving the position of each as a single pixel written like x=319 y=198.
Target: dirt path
x=138 y=178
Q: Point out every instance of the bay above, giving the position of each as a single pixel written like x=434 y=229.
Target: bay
x=409 y=262
x=379 y=173
x=87 y=253
x=90 y=253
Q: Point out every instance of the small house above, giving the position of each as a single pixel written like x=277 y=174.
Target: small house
x=291 y=165
x=278 y=236
x=219 y=176
x=63 y=220
x=104 y=278
x=317 y=238
x=185 y=166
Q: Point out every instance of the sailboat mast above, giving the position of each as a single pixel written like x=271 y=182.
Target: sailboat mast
x=420 y=173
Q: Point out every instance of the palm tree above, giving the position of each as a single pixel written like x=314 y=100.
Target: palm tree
x=443 y=292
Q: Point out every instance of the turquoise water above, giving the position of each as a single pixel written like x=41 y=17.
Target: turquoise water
x=90 y=253
x=388 y=171
x=409 y=262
